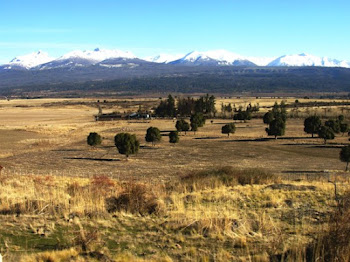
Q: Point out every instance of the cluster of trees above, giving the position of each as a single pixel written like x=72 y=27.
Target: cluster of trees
x=127 y=144
x=242 y=115
x=197 y=120
x=186 y=106
x=276 y=120
x=313 y=125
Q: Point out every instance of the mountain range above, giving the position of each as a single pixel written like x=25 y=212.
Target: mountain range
x=117 y=59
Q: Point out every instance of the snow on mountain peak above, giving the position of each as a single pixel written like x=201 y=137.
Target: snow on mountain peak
x=212 y=57
x=31 y=60
x=163 y=58
x=223 y=57
x=307 y=60
x=98 y=55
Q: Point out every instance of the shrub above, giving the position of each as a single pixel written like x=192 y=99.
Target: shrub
x=334 y=244
x=228 y=128
x=102 y=185
x=135 y=198
x=94 y=139
x=226 y=176
x=242 y=115
x=173 y=137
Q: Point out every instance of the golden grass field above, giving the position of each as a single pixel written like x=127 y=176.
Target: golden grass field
x=45 y=156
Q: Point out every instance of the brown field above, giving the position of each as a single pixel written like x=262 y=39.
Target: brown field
x=44 y=152
x=52 y=140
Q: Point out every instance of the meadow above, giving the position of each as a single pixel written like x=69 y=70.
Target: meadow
x=210 y=197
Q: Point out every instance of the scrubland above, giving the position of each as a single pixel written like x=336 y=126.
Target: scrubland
x=208 y=198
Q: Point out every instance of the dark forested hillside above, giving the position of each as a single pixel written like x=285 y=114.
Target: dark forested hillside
x=172 y=78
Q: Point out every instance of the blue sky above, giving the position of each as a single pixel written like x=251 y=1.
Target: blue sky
x=149 y=27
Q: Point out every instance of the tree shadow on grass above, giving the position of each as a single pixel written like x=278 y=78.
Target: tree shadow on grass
x=301 y=144
x=262 y=139
x=93 y=159
x=207 y=137
x=66 y=150
x=149 y=147
x=327 y=146
x=303 y=172
x=248 y=140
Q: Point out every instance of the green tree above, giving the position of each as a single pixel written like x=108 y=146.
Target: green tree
x=326 y=133
x=242 y=115
x=153 y=135
x=279 y=111
x=345 y=156
x=334 y=125
x=312 y=124
x=182 y=125
x=228 y=129
x=268 y=117
x=94 y=139
x=194 y=127
x=198 y=119
x=173 y=137
x=344 y=127
x=126 y=144
x=166 y=108
x=185 y=107
x=276 y=128
x=205 y=105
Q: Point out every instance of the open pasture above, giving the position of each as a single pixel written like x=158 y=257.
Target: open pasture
x=49 y=137
x=210 y=197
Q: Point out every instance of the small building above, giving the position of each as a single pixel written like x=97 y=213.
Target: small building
x=115 y=116
x=108 y=117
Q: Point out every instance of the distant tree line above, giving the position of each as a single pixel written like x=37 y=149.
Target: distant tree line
x=186 y=106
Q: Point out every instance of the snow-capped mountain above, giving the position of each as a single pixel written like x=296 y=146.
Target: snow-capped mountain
x=260 y=61
x=97 y=55
x=163 y=58
x=214 y=57
x=29 y=60
x=307 y=60
x=117 y=58
x=85 y=58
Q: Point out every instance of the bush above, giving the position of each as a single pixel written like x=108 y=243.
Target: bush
x=228 y=128
x=173 y=137
x=334 y=244
x=94 y=139
x=102 y=185
x=226 y=176
x=136 y=198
